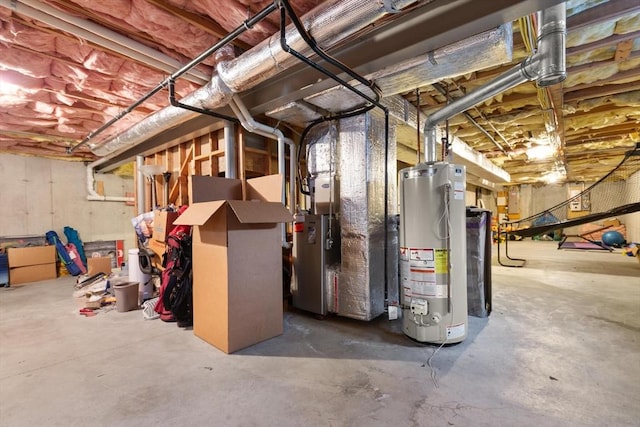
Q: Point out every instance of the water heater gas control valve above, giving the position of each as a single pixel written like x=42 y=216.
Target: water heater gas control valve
x=419 y=307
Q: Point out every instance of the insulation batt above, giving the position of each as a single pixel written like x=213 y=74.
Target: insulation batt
x=139 y=15
x=18 y=79
x=230 y=16
x=103 y=62
x=72 y=50
x=17 y=33
x=27 y=63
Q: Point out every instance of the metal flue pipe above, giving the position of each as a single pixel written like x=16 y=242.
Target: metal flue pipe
x=552 y=34
x=547 y=67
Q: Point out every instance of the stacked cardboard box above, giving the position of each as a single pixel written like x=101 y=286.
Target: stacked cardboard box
x=31 y=264
x=237 y=260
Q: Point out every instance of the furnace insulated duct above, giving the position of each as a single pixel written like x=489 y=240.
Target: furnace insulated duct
x=361 y=159
x=350 y=154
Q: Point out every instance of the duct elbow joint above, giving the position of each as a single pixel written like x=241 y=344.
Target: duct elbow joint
x=551 y=46
x=530 y=67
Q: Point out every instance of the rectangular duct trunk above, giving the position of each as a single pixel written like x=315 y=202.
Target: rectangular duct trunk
x=361 y=169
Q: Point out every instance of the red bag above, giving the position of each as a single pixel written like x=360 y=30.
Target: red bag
x=170 y=260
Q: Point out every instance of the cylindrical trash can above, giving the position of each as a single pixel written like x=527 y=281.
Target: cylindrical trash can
x=136 y=275
x=126 y=296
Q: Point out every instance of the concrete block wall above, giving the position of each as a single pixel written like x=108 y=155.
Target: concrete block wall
x=39 y=195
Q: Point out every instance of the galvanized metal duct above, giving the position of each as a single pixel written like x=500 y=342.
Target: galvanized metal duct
x=547 y=67
x=327 y=23
x=552 y=34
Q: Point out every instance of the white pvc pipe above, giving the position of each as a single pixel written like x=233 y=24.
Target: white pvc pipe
x=140 y=184
x=250 y=124
x=91 y=192
x=229 y=150
x=102 y=36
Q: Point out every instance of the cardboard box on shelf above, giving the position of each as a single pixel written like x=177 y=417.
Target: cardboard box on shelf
x=237 y=261
x=32 y=255
x=32 y=273
x=163 y=224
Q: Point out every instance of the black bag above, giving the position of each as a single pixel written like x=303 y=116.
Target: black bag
x=177 y=278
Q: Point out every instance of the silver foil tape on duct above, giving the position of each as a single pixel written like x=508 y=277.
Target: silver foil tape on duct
x=361 y=284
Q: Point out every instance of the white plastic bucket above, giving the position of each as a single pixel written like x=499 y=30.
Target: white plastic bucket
x=145 y=287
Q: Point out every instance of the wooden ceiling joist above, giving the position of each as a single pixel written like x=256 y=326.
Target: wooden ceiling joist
x=602 y=13
x=597 y=91
x=623 y=75
x=607 y=41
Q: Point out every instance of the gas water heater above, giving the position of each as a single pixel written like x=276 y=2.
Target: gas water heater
x=433 y=252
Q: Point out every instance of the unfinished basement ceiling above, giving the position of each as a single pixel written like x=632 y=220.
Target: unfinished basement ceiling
x=61 y=81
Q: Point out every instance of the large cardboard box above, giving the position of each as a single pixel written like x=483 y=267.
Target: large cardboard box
x=237 y=261
x=31 y=264
x=163 y=224
x=32 y=273
x=32 y=255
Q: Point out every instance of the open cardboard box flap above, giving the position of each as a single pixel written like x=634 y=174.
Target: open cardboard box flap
x=262 y=205
x=209 y=188
x=247 y=212
x=265 y=188
x=250 y=212
x=199 y=213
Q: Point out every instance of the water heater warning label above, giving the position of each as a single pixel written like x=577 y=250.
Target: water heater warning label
x=422 y=265
x=421 y=255
x=418 y=269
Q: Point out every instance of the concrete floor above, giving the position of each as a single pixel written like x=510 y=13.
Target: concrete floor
x=561 y=348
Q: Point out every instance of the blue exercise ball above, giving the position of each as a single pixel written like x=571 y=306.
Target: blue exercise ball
x=613 y=238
